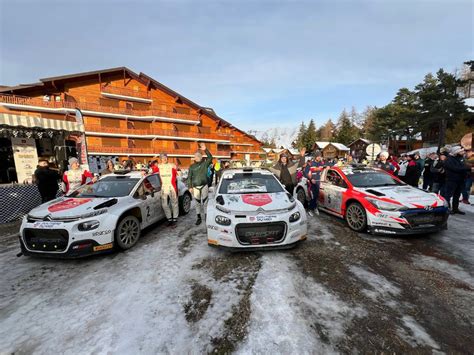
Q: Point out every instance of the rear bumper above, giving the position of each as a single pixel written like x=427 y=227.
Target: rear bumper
x=76 y=250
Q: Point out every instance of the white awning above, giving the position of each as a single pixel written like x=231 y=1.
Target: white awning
x=39 y=122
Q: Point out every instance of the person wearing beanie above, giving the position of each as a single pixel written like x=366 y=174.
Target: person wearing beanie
x=384 y=164
x=456 y=172
x=313 y=173
x=75 y=176
x=169 y=189
x=197 y=181
x=285 y=171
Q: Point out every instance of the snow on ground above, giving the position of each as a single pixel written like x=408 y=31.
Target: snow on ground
x=380 y=287
x=414 y=334
x=305 y=315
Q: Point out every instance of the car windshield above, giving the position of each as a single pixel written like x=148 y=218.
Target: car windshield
x=371 y=179
x=110 y=186
x=255 y=183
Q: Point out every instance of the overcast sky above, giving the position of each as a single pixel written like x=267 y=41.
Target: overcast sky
x=257 y=63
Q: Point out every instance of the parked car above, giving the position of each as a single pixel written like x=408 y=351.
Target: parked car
x=252 y=210
x=97 y=217
x=373 y=200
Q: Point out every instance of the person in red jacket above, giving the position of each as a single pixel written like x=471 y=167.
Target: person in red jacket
x=75 y=176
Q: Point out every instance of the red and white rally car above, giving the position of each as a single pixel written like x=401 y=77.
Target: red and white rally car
x=371 y=199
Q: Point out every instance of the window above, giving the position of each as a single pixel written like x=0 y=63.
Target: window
x=335 y=179
x=155 y=181
x=240 y=183
x=183 y=110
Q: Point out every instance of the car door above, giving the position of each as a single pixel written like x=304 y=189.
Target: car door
x=150 y=201
x=155 y=181
x=332 y=191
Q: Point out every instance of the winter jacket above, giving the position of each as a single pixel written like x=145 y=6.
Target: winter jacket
x=427 y=167
x=197 y=175
x=403 y=168
x=412 y=174
x=437 y=171
x=387 y=166
x=47 y=180
x=292 y=167
x=313 y=171
x=456 y=170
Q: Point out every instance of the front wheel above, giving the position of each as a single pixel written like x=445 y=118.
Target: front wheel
x=356 y=217
x=185 y=203
x=301 y=196
x=127 y=232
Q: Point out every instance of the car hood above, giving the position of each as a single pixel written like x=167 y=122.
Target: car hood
x=67 y=207
x=257 y=202
x=409 y=196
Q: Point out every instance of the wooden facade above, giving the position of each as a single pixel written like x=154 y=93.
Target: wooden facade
x=131 y=115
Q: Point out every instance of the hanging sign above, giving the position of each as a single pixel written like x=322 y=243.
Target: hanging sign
x=26 y=158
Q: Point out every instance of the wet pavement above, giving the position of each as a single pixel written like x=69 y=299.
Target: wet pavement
x=338 y=292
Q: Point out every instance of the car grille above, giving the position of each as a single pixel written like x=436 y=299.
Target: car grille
x=46 y=239
x=424 y=219
x=260 y=233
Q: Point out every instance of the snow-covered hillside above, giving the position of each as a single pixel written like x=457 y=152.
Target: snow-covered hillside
x=283 y=136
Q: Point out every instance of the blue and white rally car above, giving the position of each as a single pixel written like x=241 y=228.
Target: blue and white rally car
x=252 y=210
x=97 y=217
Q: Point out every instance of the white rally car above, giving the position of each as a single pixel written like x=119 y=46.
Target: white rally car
x=252 y=210
x=371 y=199
x=96 y=217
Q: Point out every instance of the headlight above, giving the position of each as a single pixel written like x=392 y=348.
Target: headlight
x=93 y=214
x=384 y=205
x=294 y=217
x=223 y=221
x=87 y=226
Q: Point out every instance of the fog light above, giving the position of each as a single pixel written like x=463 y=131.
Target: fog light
x=87 y=226
x=223 y=221
x=294 y=217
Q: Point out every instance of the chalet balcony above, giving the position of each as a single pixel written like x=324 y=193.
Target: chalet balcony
x=173 y=152
x=157 y=133
x=58 y=104
x=111 y=91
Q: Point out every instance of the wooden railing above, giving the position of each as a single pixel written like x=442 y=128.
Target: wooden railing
x=109 y=89
x=156 y=132
x=52 y=103
x=157 y=151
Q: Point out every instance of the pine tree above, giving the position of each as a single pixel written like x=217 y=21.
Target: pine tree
x=310 y=135
x=346 y=131
x=327 y=131
x=299 y=141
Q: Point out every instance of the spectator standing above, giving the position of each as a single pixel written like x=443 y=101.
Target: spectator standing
x=427 y=174
x=197 y=181
x=169 y=189
x=403 y=164
x=411 y=175
x=75 y=176
x=438 y=174
x=285 y=171
x=469 y=161
x=47 y=181
x=384 y=164
x=109 y=168
x=313 y=174
x=456 y=172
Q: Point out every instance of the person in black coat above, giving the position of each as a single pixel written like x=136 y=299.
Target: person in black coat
x=438 y=174
x=456 y=172
x=427 y=174
x=412 y=175
x=47 y=181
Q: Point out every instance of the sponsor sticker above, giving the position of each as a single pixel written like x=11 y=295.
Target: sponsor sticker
x=46 y=224
x=99 y=233
x=264 y=218
x=210 y=226
x=257 y=199
x=103 y=247
x=68 y=204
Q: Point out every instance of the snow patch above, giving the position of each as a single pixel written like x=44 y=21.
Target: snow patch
x=414 y=334
x=304 y=314
x=453 y=270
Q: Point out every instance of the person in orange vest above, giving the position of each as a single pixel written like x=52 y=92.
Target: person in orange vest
x=169 y=189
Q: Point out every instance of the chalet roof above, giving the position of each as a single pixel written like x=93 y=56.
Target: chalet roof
x=321 y=145
x=366 y=141
x=339 y=146
x=143 y=78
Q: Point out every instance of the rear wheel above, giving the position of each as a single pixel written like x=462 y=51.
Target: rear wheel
x=127 y=232
x=356 y=217
x=185 y=203
x=301 y=196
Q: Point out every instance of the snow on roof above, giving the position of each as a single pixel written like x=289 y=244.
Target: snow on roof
x=293 y=151
x=322 y=144
x=470 y=102
x=268 y=150
x=278 y=150
x=340 y=146
x=360 y=139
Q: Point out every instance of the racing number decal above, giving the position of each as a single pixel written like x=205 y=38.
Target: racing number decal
x=148 y=214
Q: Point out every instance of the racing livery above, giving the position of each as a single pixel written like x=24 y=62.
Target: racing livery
x=96 y=217
x=371 y=199
x=252 y=210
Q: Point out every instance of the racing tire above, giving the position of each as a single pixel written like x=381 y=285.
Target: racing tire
x=356 y=217
x=185 y=203
x=127 y=232
x=301 y=196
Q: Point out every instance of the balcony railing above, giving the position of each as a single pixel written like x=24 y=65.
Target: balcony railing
x=156 y=132
x=109 y=89
x=52 y=103
x=156 y=151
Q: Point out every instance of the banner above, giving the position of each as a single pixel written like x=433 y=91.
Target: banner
x=26 y=158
